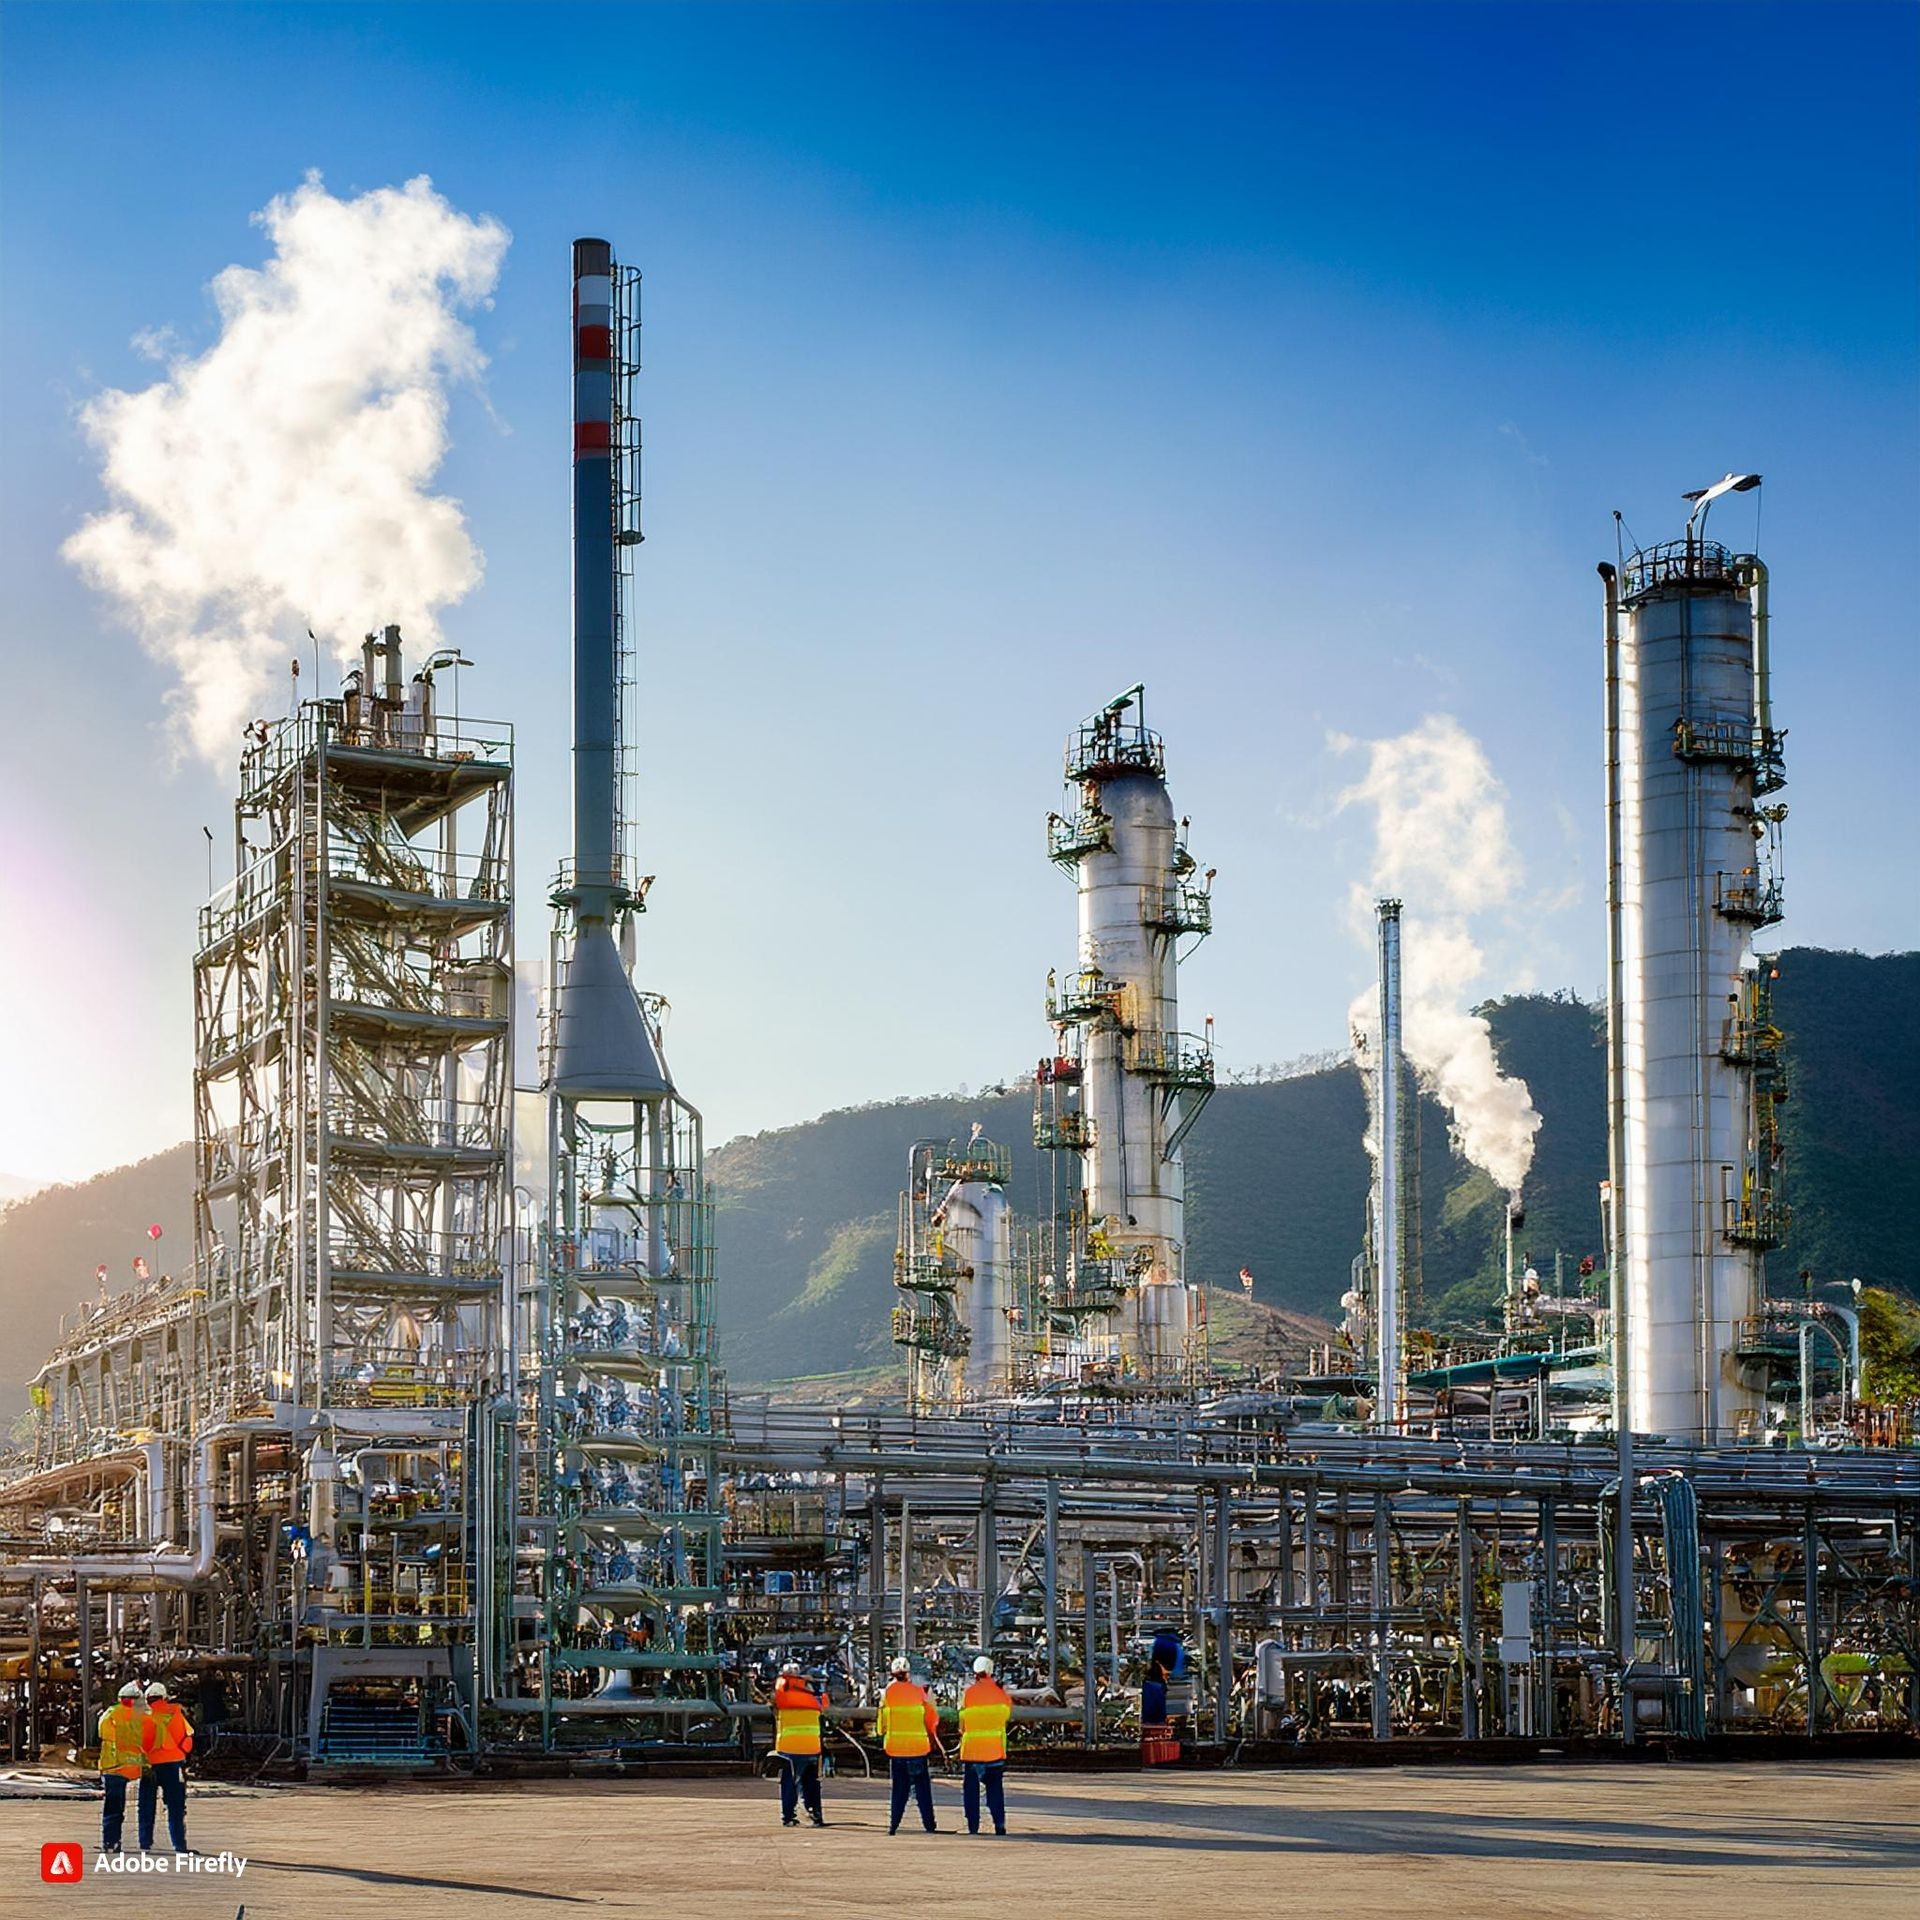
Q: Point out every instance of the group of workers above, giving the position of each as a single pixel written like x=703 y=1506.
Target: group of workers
x=145 y=1737
x=908 y=1727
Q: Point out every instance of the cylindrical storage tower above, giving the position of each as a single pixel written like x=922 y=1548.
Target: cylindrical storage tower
x=1134 y=1192
x=1695 y=885
x=980 y=1232
x=1144 y=1081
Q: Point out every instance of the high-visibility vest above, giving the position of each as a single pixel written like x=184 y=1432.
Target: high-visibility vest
x=796 y=1717
x=121 y=1728
x=985 y=1709
x=905 y=1721
x=168 y=1734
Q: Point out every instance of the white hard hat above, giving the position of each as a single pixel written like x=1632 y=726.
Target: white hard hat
x=133 y=1691
x=901 y=1665
x=157 y=1690
x=983 y=1665
x=790 y=1666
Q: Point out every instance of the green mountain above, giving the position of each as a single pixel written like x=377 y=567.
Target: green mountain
x=1276 y=1179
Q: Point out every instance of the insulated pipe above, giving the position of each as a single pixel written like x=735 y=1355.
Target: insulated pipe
x=1756 y=571
x=1616 y=1158
x=171 y=1569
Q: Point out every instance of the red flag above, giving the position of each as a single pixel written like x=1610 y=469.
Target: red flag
x=153 y=1233
x=100 y=1274
x=140 y=1268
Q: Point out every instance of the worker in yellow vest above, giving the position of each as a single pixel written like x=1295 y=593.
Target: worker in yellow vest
x=121 y=1760
x=909 y=1729
x=985 y=1709
x=796 y=1739
x=166 y=1740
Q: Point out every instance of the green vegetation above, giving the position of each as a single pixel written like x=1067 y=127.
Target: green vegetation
x=1276 y=1181
x=1889 y=1347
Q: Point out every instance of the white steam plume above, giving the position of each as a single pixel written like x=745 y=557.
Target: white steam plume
x=277 y=481
x=1441 y=846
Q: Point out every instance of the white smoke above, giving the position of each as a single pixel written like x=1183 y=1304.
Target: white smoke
x=277 y=481
x=1441 y=846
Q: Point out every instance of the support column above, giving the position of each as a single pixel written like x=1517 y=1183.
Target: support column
x=987 y=1561
x=1469 y=1647
x=1089 y=1581
x=1051 y=1551
x=1381 y=1602
x=877 y=1576
x=1815 y=1685
x=906 y=1574
x=1717 y=1628
x=33 y=1671
x=1544 y=1714
x=83 y=1613
x=1223 y=1617
x=1283 y=1546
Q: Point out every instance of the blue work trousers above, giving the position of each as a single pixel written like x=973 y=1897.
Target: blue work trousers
x=992 y=1775
x=799 y=1781
x=164 y=1780
x=911 y=1776
x=113 y=1810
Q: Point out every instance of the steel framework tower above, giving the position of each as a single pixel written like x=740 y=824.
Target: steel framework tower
x=352 y=1137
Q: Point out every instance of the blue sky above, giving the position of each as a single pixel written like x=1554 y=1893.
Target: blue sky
x=1291 y=359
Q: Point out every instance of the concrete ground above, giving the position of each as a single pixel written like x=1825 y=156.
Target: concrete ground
x=1520 y=1843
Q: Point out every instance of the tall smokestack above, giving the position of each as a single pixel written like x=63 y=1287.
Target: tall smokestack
x=602 y=1046
x=595 y=695
x=1386 y=1406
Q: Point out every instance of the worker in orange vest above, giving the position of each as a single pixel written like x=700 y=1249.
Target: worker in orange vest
x=985 y=1709
x=796 y=1739
x=166 y=1740
x=909 y=1729
x=121 y=1759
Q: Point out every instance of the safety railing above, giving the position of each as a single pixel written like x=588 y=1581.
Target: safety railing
x=414 y=1254
x=978 y=1160
x=1070 y=1132
x=1673 y=562
x=1734 y=742
x=1071 y=835
x=1752 y=898
x=386 y=1376
x=929 y=1333
x=1114 y=743
x=1180 y=908
x=432 y=1125
x=1171 y=1059
x=370 y=726
x=1757 y=1218
x=1082 y=996
x=926 y=1272
x=401 y=867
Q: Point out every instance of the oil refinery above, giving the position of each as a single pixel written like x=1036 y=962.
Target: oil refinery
x=419 y=1468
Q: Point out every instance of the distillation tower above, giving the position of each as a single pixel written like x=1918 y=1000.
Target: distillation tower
x=615 y=1528
x=954 y=1265
x=1123 y=1085
x=1694 y=1069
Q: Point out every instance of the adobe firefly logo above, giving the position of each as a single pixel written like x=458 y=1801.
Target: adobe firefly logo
x=61 y=1861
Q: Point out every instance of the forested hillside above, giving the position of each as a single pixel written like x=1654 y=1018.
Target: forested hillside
x=1277 y=1182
